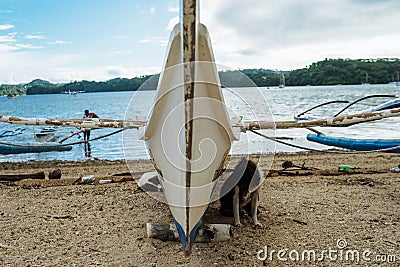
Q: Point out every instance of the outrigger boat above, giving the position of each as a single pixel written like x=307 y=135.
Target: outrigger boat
x=189 y=133
x=388 y=145
x=47 y=134
x=32 y=148
x=388 y=105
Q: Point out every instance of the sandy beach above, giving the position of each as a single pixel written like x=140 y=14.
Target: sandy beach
x=344 y=217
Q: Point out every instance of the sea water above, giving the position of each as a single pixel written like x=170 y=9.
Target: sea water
x=278 y=104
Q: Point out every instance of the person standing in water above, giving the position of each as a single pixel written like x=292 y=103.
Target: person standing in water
x=86 y=132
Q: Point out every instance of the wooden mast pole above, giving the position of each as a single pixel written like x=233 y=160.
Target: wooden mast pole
x=189 y=29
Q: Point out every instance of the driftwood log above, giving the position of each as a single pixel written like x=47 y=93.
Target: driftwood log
x=19 y=177
x=207 y=232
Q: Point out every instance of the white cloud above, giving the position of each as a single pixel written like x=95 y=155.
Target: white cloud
x=173 y=9
x=59 y=42
x=4 y=27
x=28 y=46
x=119 y=37
x=118 y=53
x=155 y=40
x=115 y=71
x=36 y=37
x=152 y=10
x=6 y=39
x=285 y=34
x=292 y=33
x=98 y=74
x=4 y=48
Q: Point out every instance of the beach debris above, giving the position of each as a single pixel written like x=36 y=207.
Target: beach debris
x=150 y=182
x=63 y=217
x=207 y=232
x=299 y=222
x=289 y=164
x=19 y=177
x=291 y=169
x=86 y=179
x=105 y=181
x=55 y=174
x=345 y=167
x=395 y=169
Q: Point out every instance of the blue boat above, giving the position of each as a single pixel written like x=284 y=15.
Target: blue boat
x=47 y=134
x=356 y=144
x=9 y=149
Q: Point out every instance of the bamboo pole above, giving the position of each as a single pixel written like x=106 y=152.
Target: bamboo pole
x=71 y=135
x=89 y=123
x=339 y=121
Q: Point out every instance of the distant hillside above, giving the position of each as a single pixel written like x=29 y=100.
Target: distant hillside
x=326 y=72
x=118 y=84
x=39 y=82
x=346 y=71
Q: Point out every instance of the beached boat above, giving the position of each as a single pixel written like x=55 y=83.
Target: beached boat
x=34 y=148
x=357 y=144
x=189 y=133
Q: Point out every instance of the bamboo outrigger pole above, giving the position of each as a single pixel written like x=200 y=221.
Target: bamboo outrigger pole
x=340 y=121
x=66 y=122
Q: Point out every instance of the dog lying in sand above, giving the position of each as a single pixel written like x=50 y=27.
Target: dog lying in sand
x=242 y=189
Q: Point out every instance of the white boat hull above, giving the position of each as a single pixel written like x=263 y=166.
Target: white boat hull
x=188 y=183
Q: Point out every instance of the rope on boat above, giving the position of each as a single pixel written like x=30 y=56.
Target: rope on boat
x=343 y=101
x=322 y=151
x=361 y=99
x=69 y=144
x=323 y=104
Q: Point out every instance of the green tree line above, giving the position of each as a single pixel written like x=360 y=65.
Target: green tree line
x=346 y=71
x=325 y=72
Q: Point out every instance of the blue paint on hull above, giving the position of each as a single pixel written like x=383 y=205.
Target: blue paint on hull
x=192 y=235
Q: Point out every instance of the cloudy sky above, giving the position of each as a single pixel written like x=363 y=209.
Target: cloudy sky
x=68 y=40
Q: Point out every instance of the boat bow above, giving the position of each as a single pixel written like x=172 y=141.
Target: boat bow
x=189 y=133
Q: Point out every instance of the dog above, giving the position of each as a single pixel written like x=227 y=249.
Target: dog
x=241 y=192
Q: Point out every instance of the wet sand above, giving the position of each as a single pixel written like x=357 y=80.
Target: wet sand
x=64 y=223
